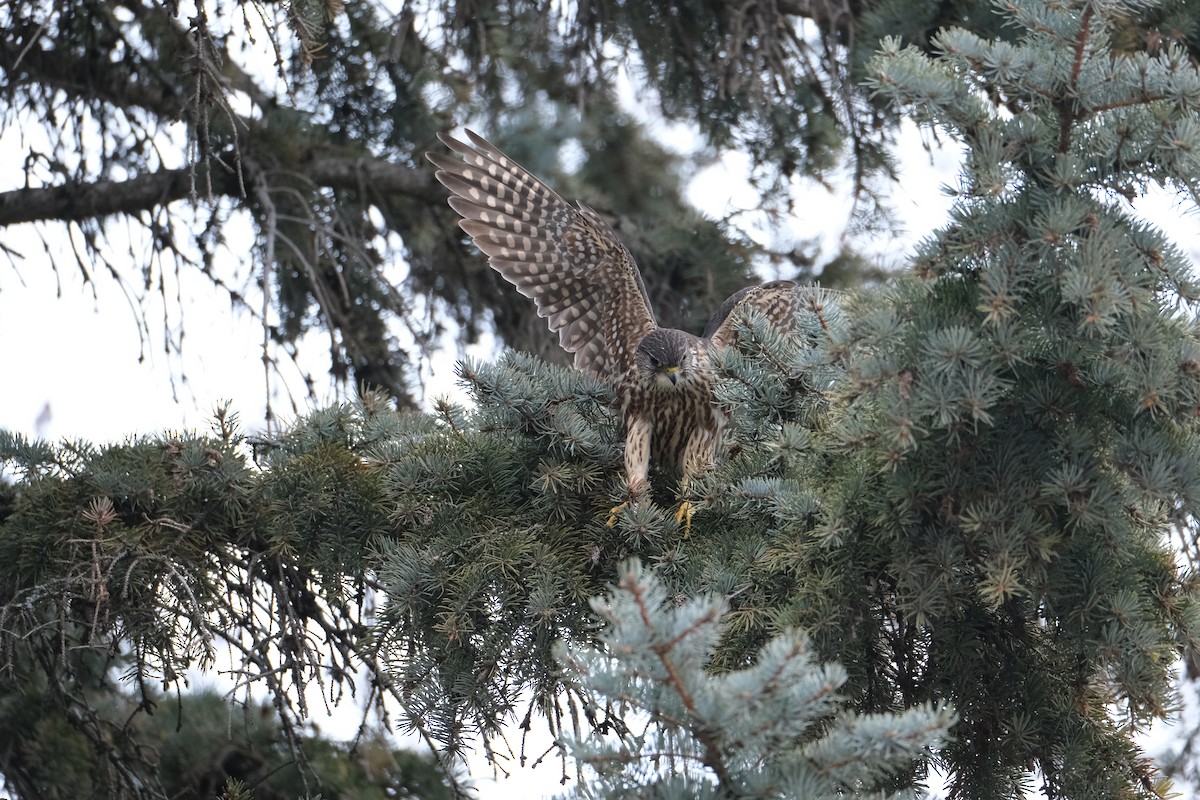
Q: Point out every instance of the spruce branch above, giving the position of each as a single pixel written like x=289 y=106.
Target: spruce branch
x=769 y=728
x=713 y=757
x=1068 y=109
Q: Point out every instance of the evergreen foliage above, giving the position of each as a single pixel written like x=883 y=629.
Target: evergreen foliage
x=771 y=730
x=127 y=565
x=961 y=487
x=1018 y=425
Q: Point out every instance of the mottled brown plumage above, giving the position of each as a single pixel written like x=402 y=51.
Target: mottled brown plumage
x=588 y=288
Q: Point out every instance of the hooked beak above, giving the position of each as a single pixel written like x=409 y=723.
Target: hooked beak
x=672 y=373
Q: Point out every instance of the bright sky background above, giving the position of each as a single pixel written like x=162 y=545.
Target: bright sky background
x=72 y=367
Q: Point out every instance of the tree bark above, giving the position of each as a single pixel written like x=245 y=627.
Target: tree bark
x=76 y=201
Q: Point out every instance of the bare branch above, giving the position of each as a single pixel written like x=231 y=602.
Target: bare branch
x=79 y=201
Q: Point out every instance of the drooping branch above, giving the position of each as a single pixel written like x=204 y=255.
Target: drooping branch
x=30 y=56
x=34 y=65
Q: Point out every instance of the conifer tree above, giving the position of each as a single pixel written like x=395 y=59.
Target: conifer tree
x=961 y=487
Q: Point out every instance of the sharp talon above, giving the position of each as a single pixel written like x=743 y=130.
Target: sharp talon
x=684 y=517
x=612 y=514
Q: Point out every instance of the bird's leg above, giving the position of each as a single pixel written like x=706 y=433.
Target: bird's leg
x=636 y=492
x=637 y=463
x=684 y=515
x=697 y=457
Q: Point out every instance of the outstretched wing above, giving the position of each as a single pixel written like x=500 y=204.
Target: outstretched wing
x=566 y=259
x=778 y=301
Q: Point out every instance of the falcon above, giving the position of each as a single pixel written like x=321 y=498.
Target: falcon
x=586 y=285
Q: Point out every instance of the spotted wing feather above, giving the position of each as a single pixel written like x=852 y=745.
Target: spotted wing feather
x=778 y=301
x=565 y=258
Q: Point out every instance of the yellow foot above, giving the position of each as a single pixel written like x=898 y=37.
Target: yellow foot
x=684 y=517
x=612 y=514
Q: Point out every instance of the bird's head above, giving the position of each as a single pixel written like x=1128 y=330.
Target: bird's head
x=666 y=359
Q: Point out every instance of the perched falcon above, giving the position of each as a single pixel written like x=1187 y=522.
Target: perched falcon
x=588 y=288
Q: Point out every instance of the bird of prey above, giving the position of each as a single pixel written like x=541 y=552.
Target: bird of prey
x=586 y=285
